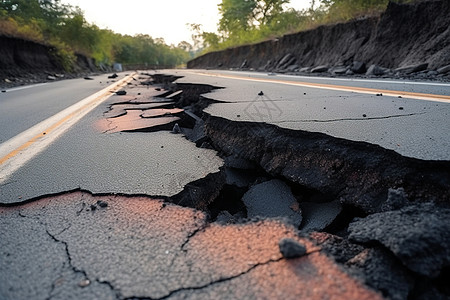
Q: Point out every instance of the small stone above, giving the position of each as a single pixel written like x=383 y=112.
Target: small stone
x=88 y=78
x=290 y=248
x=84 y=283
x=260 y=93
x=238 y=116
x=93 y=207
x=158 y=89
x=121 y=93
x=380 y=94
x=319 y=69
x=375 y=70
x=139 y=94
x=411 y=68
x=3 y=91
x=113 y=76
x=358 y=67
x=400 y=108
x=364 y=115
x=176 y=128
x=102 y=204
x=400 y=97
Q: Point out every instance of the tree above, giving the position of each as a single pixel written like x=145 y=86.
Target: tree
x=237 y=15
x=240 y=15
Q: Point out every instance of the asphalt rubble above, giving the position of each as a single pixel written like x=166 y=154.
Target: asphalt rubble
x=379 y=218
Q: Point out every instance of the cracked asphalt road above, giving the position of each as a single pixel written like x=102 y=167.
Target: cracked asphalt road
x=69 y=246
x=412 y=127
x=77 y=245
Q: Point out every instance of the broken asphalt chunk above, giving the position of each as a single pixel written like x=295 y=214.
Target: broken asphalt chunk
x=419 y=235
x=290 y=248
x=121 y=93
x=272 y=199
x=317 y=216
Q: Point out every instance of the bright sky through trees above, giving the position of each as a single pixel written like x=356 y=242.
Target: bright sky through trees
x=166 y=19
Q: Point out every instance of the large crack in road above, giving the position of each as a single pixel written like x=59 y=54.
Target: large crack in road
x=345 y=197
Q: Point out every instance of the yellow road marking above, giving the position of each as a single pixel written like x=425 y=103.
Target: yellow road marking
x=393 y=93
x=56 y=125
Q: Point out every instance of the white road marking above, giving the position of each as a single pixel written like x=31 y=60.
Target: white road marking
x=15 y=152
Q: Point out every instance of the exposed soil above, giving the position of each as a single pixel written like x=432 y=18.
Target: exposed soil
x=24 y=62
x=407 y=40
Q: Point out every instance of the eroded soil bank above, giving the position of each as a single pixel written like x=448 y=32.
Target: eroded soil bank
x=362 y=222
x=24 y=62
x=407 y=40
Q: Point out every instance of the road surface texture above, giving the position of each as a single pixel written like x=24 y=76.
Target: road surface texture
x=188 y=184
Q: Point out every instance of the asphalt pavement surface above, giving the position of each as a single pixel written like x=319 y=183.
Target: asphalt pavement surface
x=86 y=216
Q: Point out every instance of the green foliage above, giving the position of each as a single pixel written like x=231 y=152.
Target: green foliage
x=250 y=21
x=65 y=28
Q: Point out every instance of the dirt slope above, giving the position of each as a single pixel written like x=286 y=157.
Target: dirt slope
x=403 y=36
x=23 y=61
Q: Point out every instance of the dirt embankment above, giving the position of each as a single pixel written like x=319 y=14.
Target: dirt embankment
x=405 y=39
x=23 y=62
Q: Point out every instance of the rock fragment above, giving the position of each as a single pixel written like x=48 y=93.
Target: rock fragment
x=412 y=68
x=319 y=69
x=290 y=248
x=375 y=70
x=176 y=128
x=358 y=67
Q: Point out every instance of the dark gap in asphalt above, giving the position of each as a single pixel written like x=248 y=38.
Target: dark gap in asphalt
x=343 y=178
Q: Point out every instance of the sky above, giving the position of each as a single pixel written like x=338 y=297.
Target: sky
x=158 y=18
